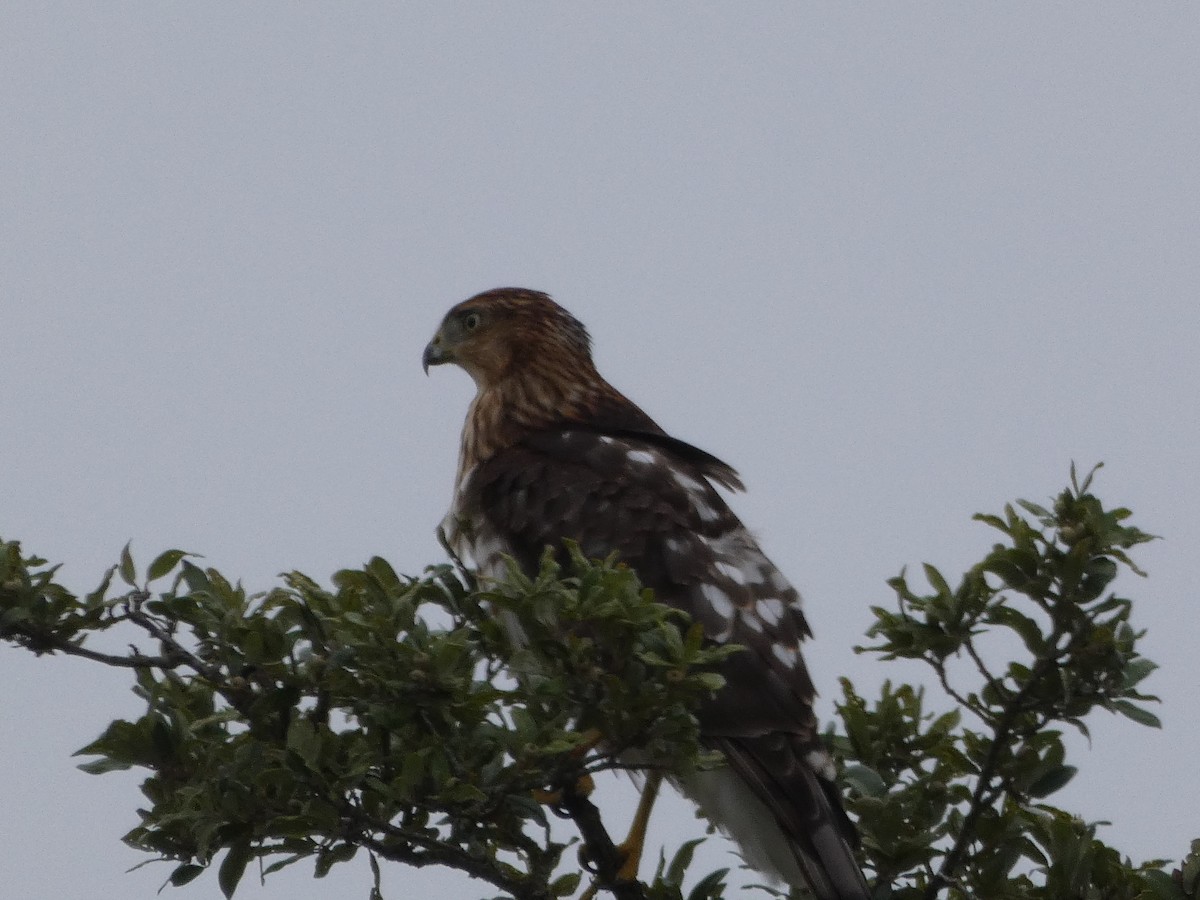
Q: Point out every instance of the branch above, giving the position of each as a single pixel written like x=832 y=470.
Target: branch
x=600 y=847
x=434 y=853
x=989 y=679
x=135 y=660
x=467 y=575
x=939 y=666
x=211 y=673
x=983 y=795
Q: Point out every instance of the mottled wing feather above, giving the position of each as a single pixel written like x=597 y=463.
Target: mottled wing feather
x=662 y=517
x=667 y=522
x=680 y=452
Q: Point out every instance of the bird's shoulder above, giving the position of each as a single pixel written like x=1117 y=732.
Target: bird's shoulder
x=614 y=477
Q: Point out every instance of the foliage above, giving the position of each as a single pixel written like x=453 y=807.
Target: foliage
x=309 y=723
x=397 y=718
x=1030 y=640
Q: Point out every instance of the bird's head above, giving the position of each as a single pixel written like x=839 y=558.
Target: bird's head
x=501 y=331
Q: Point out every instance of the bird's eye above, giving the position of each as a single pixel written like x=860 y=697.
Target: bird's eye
x=471 y=321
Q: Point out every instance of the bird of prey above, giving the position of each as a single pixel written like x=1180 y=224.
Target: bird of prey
x=551 y=451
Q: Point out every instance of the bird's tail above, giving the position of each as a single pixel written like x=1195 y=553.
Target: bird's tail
x=807 y=807
x=826 y=852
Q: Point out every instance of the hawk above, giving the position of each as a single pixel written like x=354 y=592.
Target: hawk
x=551 y=451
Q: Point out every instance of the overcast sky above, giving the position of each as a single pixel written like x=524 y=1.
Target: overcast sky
x=896 y=263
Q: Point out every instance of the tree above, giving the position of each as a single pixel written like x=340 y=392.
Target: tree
x=391 y=716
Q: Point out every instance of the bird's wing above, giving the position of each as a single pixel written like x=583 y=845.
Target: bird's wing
x=649 y=499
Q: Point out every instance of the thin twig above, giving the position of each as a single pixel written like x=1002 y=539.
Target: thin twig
x=134 y=660
x=167 y=639
x=985 y=794
x=431 y=853
x=983 y=670
x=466 y=574
x=974 y=706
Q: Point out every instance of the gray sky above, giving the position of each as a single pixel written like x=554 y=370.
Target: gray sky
x=896 y=263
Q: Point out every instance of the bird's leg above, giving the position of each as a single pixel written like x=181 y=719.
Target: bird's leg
x=631 y=847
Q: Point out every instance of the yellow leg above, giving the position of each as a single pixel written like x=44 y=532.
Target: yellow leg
x=632 y=846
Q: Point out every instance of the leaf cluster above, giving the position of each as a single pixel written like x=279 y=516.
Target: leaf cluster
x=1032 y=639
x=397 y=716
x=428 y=721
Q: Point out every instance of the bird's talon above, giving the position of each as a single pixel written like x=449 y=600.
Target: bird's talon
x=584 y=786
x=631 y=858
x=628 y=853
x=586 y=863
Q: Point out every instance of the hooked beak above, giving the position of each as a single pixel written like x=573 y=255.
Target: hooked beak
x=435 y=354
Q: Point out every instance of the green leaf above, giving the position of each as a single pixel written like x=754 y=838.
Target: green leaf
x=565 y=885
x=1040 y=511
x=864 y=780
x=303 y=740
x=126 y=743
x=96 y=597
x=383 y=572
x=194 y=577
x=710 y=681
x=1028 y=630
x=101 y=766
x=681 y=860
x=1159 y=886
x=1136 y=670
x=1137 y=713
x=283 y=863
x=994 y=521
x=1191 y=868
x=710 y=887
x=126 y=569
x=327 y=859
x=1099 y=573
x=1052 y=781
x=233 y=866
x=184 y=874
x=936 y=581
x=164 y=563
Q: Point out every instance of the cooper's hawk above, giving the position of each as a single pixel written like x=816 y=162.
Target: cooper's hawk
x=552 y=451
